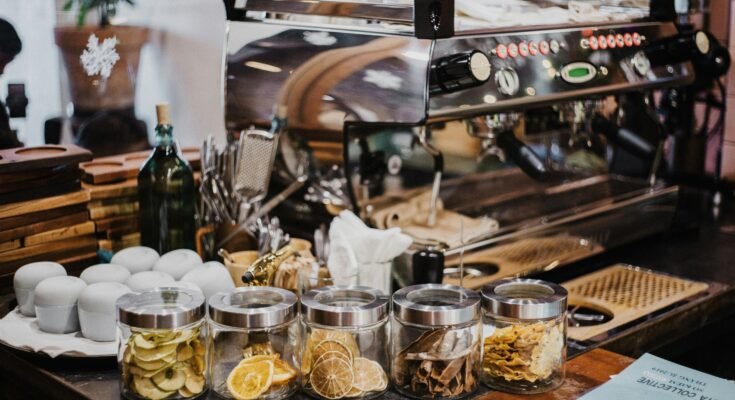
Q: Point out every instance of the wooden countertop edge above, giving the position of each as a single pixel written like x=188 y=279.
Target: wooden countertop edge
x=583 y=373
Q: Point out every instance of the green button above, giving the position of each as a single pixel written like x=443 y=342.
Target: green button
x=578 y=72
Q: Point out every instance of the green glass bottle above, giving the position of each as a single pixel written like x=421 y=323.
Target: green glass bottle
x=166 y=193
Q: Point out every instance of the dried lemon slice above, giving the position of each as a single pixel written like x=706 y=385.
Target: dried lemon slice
x=354 y=392
x=319 y=335
x=333 y=354
x=369 y=375
x=250 y=380
x=332 y=378
x=332 y=345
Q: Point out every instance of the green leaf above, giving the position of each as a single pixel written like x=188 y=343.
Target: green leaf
x=68 y=5
x=82 y=16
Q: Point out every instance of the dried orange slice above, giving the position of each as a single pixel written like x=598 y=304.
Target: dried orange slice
x=369 y=375
x=332 y=378
x=249 y=360
x=250 y=380
x=283 y=372
x=306 y=361
x=332 y=345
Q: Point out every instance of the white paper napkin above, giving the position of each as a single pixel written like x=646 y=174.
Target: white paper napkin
x=355 y=248
x=21 y=332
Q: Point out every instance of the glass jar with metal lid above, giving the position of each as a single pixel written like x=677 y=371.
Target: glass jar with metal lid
x=345 y=351
x=436 y=341
x=161 y=352
x=524 y=330
x=254 y=343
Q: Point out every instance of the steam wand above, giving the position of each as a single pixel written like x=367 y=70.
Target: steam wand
x=438 y=170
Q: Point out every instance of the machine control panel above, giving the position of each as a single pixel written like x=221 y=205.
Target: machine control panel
x=542 y=66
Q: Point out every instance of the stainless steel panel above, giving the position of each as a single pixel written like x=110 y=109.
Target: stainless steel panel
x=324 y=77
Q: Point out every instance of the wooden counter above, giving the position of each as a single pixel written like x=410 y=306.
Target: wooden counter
x=584 y=373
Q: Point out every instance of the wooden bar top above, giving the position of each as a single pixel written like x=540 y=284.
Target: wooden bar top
x=584 y=373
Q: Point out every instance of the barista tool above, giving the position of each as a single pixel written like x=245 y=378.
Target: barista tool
x=438 y=171
x=498 y=139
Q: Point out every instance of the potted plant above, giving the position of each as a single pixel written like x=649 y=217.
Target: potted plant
x=101 y=61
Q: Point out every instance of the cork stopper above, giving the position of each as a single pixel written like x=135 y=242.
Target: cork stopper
x=162 y=114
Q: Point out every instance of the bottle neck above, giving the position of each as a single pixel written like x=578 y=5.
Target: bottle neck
x=165 y=136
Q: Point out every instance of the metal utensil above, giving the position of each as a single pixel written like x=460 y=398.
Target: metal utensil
x=257 y=152
x=226 y=256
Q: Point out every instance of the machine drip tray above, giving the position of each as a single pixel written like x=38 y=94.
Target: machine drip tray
x=472 y=270
x=619 y=294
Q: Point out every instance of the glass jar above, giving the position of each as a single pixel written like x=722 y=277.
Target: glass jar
x=345 y=352
x=161 y=350
x=524 y=335
x=254 y=343
x=436 y=341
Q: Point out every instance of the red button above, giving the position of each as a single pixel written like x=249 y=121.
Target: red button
x=602 y=41
x=611 y=41
x=513 y=50
x=619 y=40
x=533 y=48
x=628 y=40
x=501 y=51
x=523 y=49
x=636 y=39
x=594 y=44
x=543 y=47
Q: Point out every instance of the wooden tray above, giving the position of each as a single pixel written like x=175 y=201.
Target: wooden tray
x=61 y=174
x=126 y=166
x=48 y=203
x=44 y=226
x=626 y=292
x=55 y=189
x=29 y=158
x=9 y=245
x=85 y=228
x=117 y=223
x=112 y=190
x=32 y=218
x=59 y=250
x=522 y=257
x=113 y=210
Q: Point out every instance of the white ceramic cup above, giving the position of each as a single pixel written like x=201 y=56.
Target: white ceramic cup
x=178 y=262
x=27 y=277
x=98 y=312
x=55 y=301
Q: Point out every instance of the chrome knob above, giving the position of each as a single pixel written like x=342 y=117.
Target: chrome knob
x=507 y=81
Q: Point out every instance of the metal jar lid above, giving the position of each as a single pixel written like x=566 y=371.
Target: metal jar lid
x=436 y=305
x=344 y=306
x=161 y=308
x=529 y=299
x=253 y=307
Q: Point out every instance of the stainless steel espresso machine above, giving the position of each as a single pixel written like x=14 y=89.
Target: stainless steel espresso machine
x=510 y=136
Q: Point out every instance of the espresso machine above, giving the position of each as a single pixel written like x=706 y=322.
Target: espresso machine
x=510 y=136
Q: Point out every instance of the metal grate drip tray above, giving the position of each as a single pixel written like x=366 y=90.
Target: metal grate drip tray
x=627 y=293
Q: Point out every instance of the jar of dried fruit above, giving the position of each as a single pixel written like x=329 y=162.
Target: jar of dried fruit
x=162 y=351
x=345 y=352
x=524 y=331
x=254 y=342
x=436 y=341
